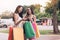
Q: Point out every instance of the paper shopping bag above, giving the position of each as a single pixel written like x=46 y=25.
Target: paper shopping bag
x=18 y=33
x=28 y=29
x=36 y=30
x=10 y=37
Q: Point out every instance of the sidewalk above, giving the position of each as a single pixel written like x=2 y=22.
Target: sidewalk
x=49 y=37
x=4 y=36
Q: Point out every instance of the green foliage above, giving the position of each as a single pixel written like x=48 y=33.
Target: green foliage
x=59 y=16
x=49 y=10
x=44 y=32
x=6 y=17
x=41 y=15
x=36 y=9
x=49 y=7
x=4 y=31
x=58 y=5
x=47 y=15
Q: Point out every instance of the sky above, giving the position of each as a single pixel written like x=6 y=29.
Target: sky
x=12 y=4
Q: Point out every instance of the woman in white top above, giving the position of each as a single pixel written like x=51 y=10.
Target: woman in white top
x=18 y=17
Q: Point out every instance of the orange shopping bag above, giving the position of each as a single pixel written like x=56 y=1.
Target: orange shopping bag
x=10 y=34
x=36 y=30
x=18 y=33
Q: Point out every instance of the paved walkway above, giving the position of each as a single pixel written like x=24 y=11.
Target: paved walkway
x=4 y=36
x=49 y=37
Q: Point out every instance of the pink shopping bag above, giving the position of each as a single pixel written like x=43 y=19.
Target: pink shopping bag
x=36 y=30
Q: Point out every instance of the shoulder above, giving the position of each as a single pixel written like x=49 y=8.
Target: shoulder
x=14 y=14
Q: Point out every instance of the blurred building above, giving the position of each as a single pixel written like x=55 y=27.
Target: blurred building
x=46 y=21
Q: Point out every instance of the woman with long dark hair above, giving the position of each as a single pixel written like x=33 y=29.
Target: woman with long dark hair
x=30 y=17
x=18 y=17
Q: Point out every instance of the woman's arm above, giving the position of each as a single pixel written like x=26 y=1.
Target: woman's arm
x=34 y=17
x=16 y=18
x=18 y=22
x=25 y=18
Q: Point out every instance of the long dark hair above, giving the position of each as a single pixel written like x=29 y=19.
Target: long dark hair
x=16 y=11
x=31 y=11
x=21 y=13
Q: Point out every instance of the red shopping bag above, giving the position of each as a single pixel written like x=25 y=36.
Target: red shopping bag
x=10 y=34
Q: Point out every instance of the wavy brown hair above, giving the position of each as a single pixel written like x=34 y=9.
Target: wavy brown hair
x=16 y=11
x=31 y=11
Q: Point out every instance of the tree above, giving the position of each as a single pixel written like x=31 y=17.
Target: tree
x=52 y=8
x=6 y=14
x=55 y=23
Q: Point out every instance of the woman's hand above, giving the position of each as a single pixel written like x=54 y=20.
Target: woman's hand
x=24 y=19
x=30 y=19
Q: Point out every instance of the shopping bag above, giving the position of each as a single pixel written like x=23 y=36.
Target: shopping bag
x=10 y=37
x=28 y=29
x=36 y=30
x=18 y=33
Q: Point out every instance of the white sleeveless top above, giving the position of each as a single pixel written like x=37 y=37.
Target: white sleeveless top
x=21 y=23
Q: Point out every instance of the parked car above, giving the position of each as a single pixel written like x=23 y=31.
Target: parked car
x=4 y=23
x=38 y=21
